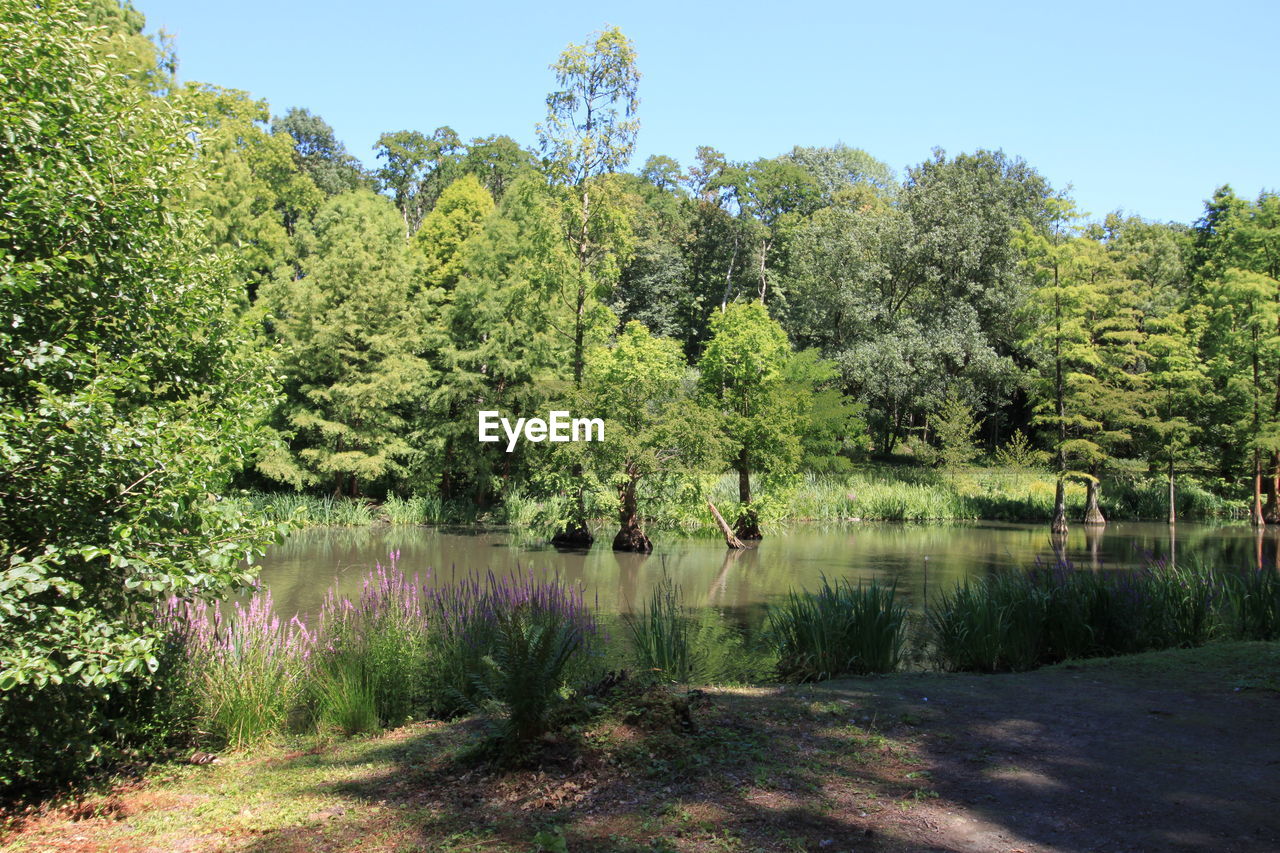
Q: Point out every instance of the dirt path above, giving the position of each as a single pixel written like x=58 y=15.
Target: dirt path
x=1164 y=752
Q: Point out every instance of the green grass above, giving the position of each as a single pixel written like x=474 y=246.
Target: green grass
x=838 y=630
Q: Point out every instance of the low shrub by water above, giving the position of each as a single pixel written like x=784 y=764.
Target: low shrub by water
x=839 y=630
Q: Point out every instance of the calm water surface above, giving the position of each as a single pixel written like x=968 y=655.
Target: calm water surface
x=922 y=558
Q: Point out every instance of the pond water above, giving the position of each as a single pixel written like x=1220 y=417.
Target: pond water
x=922 y=559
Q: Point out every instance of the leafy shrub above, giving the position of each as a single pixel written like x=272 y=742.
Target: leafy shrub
x=839 y=630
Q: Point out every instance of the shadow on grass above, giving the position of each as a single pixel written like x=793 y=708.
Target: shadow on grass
x=1160 y=752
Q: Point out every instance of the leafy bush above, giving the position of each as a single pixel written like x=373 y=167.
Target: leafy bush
x=129 y=399
x=839 y=630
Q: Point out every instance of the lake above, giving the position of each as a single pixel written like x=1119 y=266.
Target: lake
x=922 y=559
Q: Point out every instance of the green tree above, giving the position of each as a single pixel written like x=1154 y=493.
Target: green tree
x=354 y=373
x=319 y=153
x=590 y=131
x=416 y=169
x=127 y=400
x=251 y=186
x=955 y=427
x=497 y=161
x=457 y=217
x=655 y=433
x=743 y=372
x=505 y=343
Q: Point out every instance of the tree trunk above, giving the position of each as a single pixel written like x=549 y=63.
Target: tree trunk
x=1271 y=512
x=630 y=534
x=730 y=540
x=747 y=526
x=1059 y=526
x=1255 y=514
x=1092 y=512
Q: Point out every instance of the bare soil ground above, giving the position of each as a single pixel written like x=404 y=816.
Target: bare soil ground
x=1170 y=751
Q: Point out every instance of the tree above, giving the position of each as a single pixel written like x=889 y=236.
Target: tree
x=653 y=429
x=589 y=132
x=955 y=427
x=505 y=344
x=1060 y=345
x=497 y=161
x=252 y=187
x=354 y=374
x=319 y=153
x=416 y=169
x=743 y=372
x=127 y=397
x=459 y=216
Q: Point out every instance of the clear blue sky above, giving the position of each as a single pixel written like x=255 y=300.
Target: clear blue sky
x=1145 y=107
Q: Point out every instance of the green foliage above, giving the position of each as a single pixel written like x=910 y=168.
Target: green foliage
x=661 y=635
x=1017 y=621
x=839 y=630
x=1018 y=452
x=1254 y=601
x=955 y=426
x=350 y=330
x=129 y=398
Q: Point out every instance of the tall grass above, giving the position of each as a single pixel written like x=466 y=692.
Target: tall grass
x=662 y=635
x=1254 y=604
x=839 y=630
x=245 y=669
x=1012 y=622
x=399 y=650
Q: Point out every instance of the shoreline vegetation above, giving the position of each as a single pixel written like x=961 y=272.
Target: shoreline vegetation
x=893 y=763
x=907 y=493
x=529 y=658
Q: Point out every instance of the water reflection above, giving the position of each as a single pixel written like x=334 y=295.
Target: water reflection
x=921 y=559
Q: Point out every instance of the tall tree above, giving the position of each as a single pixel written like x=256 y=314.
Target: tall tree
x=744 y=373
x=127 y=397
x=252 y=187
x=319 y=153
x=590 y=131
x=416 y=169
x=654 y=430
x=354 y=374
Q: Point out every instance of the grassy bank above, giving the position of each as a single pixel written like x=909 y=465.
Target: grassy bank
x=879 y=493
x=895 y=763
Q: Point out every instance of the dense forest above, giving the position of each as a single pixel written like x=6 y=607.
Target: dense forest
x=200 y=295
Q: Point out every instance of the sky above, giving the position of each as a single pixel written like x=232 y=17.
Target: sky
x=1142 y=107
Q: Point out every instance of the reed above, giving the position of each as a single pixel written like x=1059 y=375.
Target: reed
x=1253 y=604
x=662 y=635
x=839 y=630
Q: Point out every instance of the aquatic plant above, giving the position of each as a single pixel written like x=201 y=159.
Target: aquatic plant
x=1253 y=604
x=662 y=635
x=841 y=629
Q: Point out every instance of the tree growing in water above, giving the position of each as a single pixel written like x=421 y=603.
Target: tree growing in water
x=589 y=132
x=655 y=431
x=743 y=373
